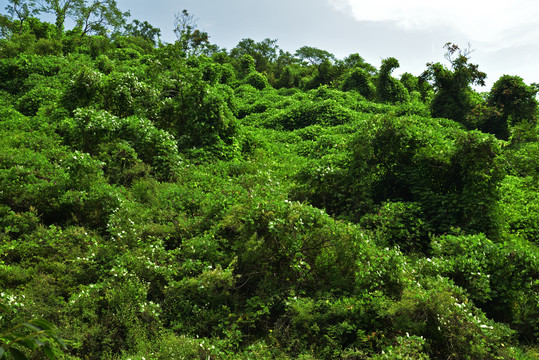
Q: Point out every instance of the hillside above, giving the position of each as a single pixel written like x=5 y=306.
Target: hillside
x=180 y=201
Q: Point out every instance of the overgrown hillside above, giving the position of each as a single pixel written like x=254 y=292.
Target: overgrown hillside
x=181 y=201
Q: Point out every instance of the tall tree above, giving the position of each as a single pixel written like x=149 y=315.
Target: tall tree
x=388 y=88
x=190 y=39
x=99 y=16
x=94 y=17
x=453 y=98
x=264 y=52
x=313 y=55
x=144 y=30
x=61 y=9
x=355 y=60
x=21 y=10
x=515 y=99
x=510 y=103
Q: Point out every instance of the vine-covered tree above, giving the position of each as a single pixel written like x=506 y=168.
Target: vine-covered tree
x=388 y=88
x=360 y=80
x=453 y=98
x=515 y=99
x=355 y=60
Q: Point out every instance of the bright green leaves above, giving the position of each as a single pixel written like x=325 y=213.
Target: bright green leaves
x=37 y=337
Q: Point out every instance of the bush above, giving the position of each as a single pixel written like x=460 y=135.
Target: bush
x=155 y=147
x=40 y=95
x=124 y=94
x=451 y=326
x=303 y=114
x=84 y=90
x=401 y=224
x=257 y=80
x=400 y=161
x=499 y=277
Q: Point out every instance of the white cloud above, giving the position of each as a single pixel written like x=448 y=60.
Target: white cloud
x=493 y=24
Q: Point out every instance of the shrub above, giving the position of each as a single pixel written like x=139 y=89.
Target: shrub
x=256 y=80
x=401 y=224
x=40 y=95
x=449 y=323
x=84 y=90
x=303 y=114
x=155 y=147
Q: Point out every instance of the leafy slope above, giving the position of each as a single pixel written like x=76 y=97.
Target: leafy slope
x=163 y=206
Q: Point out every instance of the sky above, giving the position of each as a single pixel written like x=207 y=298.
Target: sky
x=503 y=34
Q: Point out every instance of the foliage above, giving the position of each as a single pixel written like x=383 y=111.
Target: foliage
x=256 y=80
x=453 y=96
x=516 y=104
x=144 y=30
x=22 y=10
x=359 y=80
x=40 y=332
x=89 y=128
x=100 y=15
x=263 y=52
x=190 y=39
x=313 y=55
x=388 y=88
x=184 y=201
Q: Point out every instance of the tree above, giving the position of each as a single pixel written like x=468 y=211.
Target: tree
x=354 y=61
x=313 y=55
x=410 y=82
x=6 y=26
x=359 y=79
x=190 y=39
x=144 y=30
x=60 y=9
x=388 y=88
x=510 y=105
x=515 y=99
x=93 y=18
x=453 y=98
x=100 y=15
x=264 y=52
x=22 y=10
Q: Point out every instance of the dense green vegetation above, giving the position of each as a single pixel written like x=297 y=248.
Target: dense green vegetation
x=181 y=201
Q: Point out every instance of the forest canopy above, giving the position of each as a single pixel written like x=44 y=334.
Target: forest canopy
x=183 y=201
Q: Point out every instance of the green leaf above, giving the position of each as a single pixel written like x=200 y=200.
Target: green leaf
x=48 y=352
x=2 y=352
x=58 y=341
x=17 y=355
x=32 y=327
x=43 y=324
x=28 y=343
